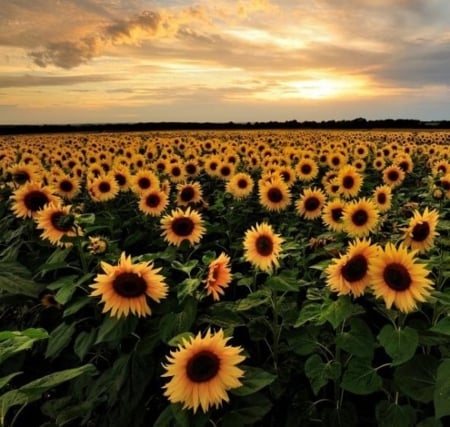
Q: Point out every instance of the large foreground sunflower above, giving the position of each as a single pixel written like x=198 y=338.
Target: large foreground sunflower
x=262 y=246
x=125 y=287
x=421 y=230
x=398 y=278
x=349 y=274
x=182 y=225
x=219 y=276
x=203 y=369
x=30 y=198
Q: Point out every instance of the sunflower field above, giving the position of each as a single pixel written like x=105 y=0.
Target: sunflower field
x=225 y=278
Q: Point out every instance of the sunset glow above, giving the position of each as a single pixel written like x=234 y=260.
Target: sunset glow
x=112 y=61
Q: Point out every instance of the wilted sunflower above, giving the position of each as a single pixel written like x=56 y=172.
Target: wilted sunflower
x=56 y=222
x=274 y=194
x=28 y=199
x=382 y=197
x=125 y=287
x=311 y=203
x=421 y=230
x=360 y=217
x=203 y=369
x=393 y=175
x=262 y=247
x=332 y=214
x=188 y=193
x=349 y=274
x=97 y=245
x=349 y=180
x=153 y=202
x=398 y=278
x=240 y=185
x=219 y=276
x=183 y=225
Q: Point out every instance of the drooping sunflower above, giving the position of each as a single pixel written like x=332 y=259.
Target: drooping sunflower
x=382 y=197
x=188 y=193
x=310 y=203
x=203 y=369
x=349 y=180
x=103 y=188
x=124 y=288
x=393 y=175
x=153 y=202
x=240 y=185
x=219 y=276
x=360 y=217
x=349 y=274
x=398 y=278
x=28 y=199
x=421 y=230
x=274 y=194
x=262 y=247
x=182 y=225
x=56 y=222
x=332 y=214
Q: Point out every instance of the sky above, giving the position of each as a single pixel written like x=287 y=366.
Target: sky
x=116 y=61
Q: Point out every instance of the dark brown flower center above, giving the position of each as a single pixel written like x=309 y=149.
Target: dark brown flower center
x=144 y=183
x=264 y=245
x=191 y=169
x=21 y=177
x=129 y=285
x=397 y=276
x=312 y=203
x=203 y=366
x=242 y=183
x=61 y=221
x=104 y=187
x=176 y=171
x=152 y=200
x=335 y=161
x=66 y=186
x=120 y=179
x=187 y=194
x=306 y=169
x=275 y=195
x=360 y=217
x=381 y=198
x=336 y=214
x=421 y=231
x=35 y=200
x=183 y=226
x=286 y=176
x=445 y=185
x=355 y=269
x=225 y=170
x=213 y=166
x=393 y=176
x=348 y=182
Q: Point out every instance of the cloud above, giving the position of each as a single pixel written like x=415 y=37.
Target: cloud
x=27 y=80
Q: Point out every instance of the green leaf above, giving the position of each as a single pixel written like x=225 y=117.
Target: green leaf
x=223 y=315
x=319 y=373
x=399 y=344
x=389 y=414
x=442 y=327
x=430 y=422
x=254 y=379
x=187 y=288
x=417 y=377
x=59 y=339
x=178 y=339
x=186 y=267
x=310 y=312
x=255 y=299
x=76 y=305
x=303 y=341
x=4 y=381
x=358 y=341
x=285 y=281
x=441 y=394
x=16 y=279
x=71 y=413
x=249 y=411
x=360 y=377
x=337 y=311
x=12 y=342
x=83 y=343
x=114 y=329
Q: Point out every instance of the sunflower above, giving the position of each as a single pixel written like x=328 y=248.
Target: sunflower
x=182 y=225
x=349 y=180
x=240 y=185
x=191 y=168
x=349 y=274
x=393 y=175
x=57 y=222
x=143 y=181
x=360 y=217
x=122 y=176
x=22 y=172
x=212 y=165
x=97 y=245
x=219 y=276
x=30 y=198
x=176 y=172
x=336 y=159
x=103 y=188
x=66 y=186
x=203 y=369
x=332 y=214
x=189 y=192
x=274 y=194
x=153 y=202
x=124 y=287
x=287 y=174
x=379 y=163
x=225 y=170
x=398 y=278
x=262 y=247
x=311 y=203
x=421 y=231
x=382 y=197
x=306 y=169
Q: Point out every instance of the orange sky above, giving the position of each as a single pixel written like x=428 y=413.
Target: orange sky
x=86 y=61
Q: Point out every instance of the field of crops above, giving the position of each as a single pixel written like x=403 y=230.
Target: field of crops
x=225 y=278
